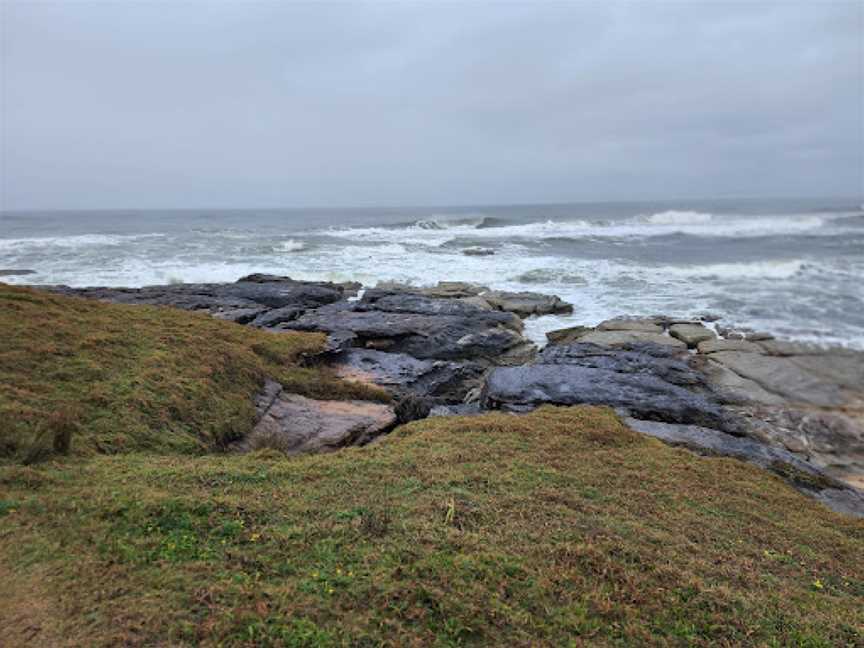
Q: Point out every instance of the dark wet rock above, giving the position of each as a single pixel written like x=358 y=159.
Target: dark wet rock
x=379 y=300
x=421 y=327
x=648 y=383
x=644 y=358
x=628 y=324
x=804 y=476
x=296 y=424
x=217 y=298
x=717 y=344
x=525 y=304
x=478 y=251
x=348 y=288
x=402 y=374
x=567 y=335
x=691 y=334
x=240 y=315
x=274 y=316
x=11 y=272
x=443 y=290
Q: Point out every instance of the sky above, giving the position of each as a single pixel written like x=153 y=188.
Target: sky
x=270 y=104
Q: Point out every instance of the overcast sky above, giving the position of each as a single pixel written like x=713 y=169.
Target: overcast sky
x=231 y=104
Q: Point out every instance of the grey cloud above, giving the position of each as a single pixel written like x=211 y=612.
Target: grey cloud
x=253 y=104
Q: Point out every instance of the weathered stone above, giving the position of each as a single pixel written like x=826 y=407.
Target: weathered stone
x=733 y=389
x=475 y=335
x=642 y=394
x=295 y=424
x=623 y=338
x=525 y=304
x=803 y=476
x=624 y=324
x=783 y=377
x=832 y=440
x=716 y=344
x=691 y=334
x=644 y=358
x=567 y=335
x=402 y=374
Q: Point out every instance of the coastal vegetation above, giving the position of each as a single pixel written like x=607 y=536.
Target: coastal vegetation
x=125 y=521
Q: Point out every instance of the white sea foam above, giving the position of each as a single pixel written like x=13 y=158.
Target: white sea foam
x=75 y=241
x=291 y=246
x=675 y=217
x=659 y=224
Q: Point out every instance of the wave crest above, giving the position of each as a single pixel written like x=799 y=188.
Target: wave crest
x=679 y=217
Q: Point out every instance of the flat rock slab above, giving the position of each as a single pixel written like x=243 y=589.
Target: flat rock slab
x=525 y=304
x=691 y=334
x=805 y=477
x=624 y=324
x=718 y=344
x=296 y=424
x=785 y=377
x=445 y=381
x=521 y=389
x=623 y=338
x=217 y=298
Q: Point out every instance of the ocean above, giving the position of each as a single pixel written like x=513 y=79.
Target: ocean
x=791 y=267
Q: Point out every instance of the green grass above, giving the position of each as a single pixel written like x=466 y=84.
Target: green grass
x=557 y=528
x=113 y=378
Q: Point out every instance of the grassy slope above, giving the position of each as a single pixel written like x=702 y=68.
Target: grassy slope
x=560 y=527
x=123 y=378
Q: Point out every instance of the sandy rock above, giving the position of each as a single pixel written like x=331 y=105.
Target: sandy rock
x=296 y=424
x=718 y=344
x=622 y=338
x=691 y=334
x=624 y=324
x=525 y=304
x=567 y=335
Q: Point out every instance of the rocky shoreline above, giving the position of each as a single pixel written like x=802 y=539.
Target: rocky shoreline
x=459 y=348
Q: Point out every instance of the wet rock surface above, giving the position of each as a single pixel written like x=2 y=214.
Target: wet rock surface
x=459 y=348
x=647 y=380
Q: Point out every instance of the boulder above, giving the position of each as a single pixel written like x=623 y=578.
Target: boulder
x=525 y=304
x=718 y=344
x=691 y=334
x=296 y=424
